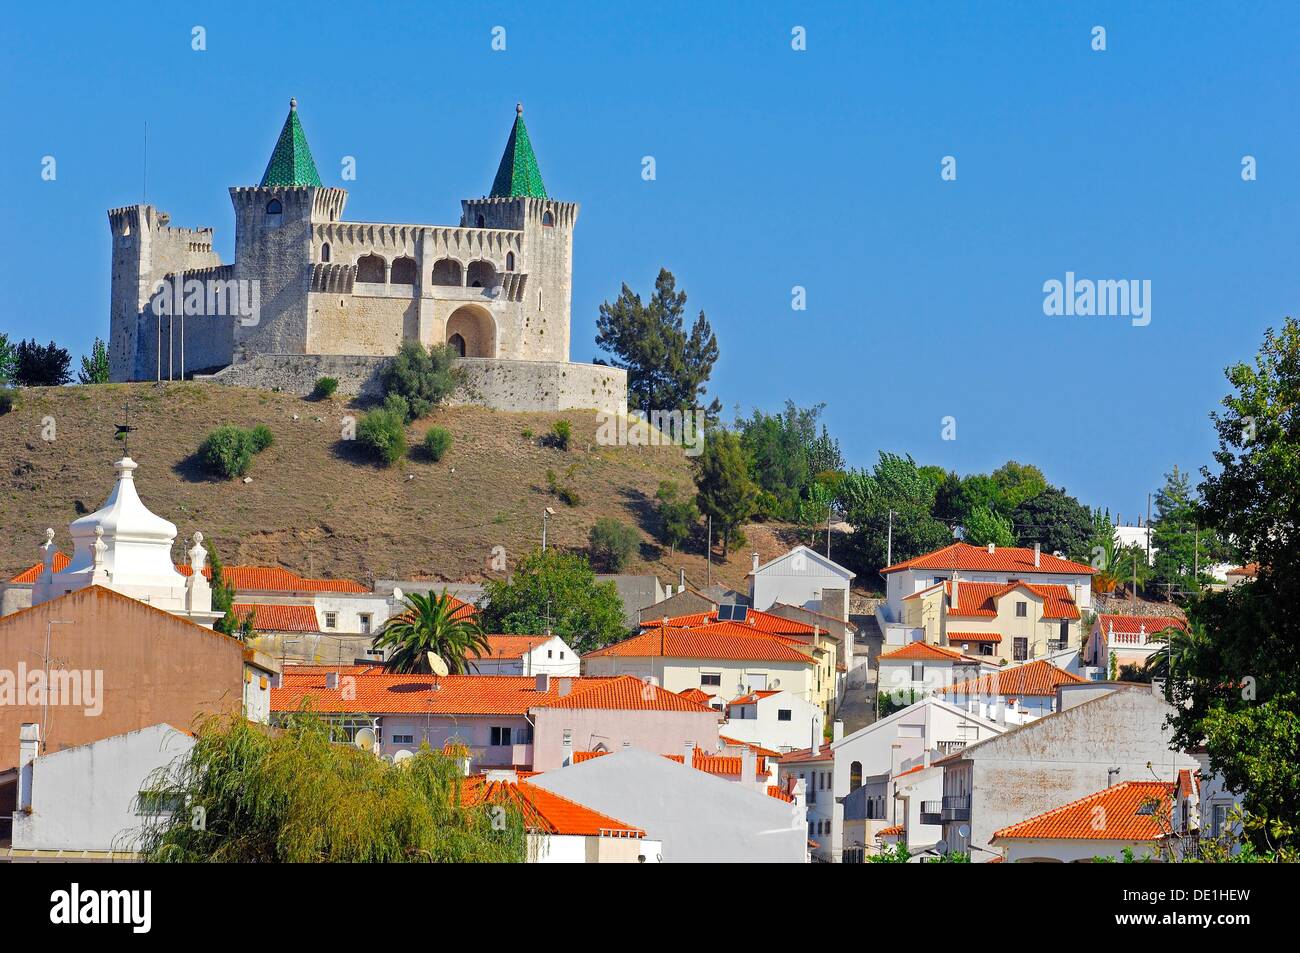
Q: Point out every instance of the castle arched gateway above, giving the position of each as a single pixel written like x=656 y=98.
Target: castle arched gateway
x=318 y=295
x=472 y=331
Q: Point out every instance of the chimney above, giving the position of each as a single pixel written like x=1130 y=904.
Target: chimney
x=566 y=686
x=754 y=559
x=29 y=743
x=835 y=603
x=954 y=591
x=837 y=731
x=331 y=680
x=681 y=580
x=816 y=747
x=992 y=546
x=1038 y=555
x=748 y=765
x=566 y=748
x=543 y=683
x=688 y=754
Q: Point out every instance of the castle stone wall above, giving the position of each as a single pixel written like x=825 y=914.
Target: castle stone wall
x=362 y=324
x=517 y=385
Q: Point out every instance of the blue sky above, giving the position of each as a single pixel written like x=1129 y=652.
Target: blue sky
x=775 y=168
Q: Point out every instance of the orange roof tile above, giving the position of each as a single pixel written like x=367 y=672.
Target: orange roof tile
x=697 y=696
x=544 y=811
x=510 y=646
x=752 y=698
x=757 y=749
x=726 y=765
x=1129 y=811
x=774 y=790
x=275 y=579
x=1019 y=681
x=922 y=652
x=1250 y=569
x=708 y=642
x=980 y=599
x=32 y=573
x=1133 y=624
x=965 y=557
x=806 y=755
x=368 y=689
x=973 y=637
x=894 y=831
x=755 y=620
x=272 y=618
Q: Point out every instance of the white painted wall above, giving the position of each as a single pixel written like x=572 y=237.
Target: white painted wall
x=84 y=798
x=796 y=578
x=761 y=723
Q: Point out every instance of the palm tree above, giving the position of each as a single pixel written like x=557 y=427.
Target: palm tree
x=1177 y=650
x=427 y=624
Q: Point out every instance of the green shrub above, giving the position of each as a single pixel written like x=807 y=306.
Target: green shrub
x=561 y=434
x=227 y=452
x=382 y=432
x=527 y=433
x=566 y=494
x=325 y=388
x=437 y=442
x=260 y=438
x=423 y=378
x=612 y=544
x=8 y=399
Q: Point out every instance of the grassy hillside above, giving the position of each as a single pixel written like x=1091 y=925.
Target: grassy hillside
x=315 y=506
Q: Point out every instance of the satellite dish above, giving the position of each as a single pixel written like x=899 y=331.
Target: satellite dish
x=941 y=847
x=776 y=683
x=964 y=831
x=365 y=739
x=397 y=594
x=436 y=664
x=403 y=755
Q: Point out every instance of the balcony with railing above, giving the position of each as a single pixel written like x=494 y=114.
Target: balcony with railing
x=932 y=812
x=956 y=807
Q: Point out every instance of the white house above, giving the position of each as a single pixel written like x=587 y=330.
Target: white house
x=912 y=671
x=976 y=564
x=773 y=719
x=528 y=655
x=804 y=579
x=698 y=818
x=1130 y=638
x=812 y=769
x=885 y=748
x=90 y=802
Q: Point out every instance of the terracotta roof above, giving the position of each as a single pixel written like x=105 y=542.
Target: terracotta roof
x=755 y=620
x=922 y=652
x=1133 y=624
x=708 y=642
x=1129 y=811
x=271 y=618
x=894 y=831
x=774 y=790
x=974 y=637
x=544 y=811
x=725 y=765
x=275 y=579
x=1019 y=681
x=980 y=599
x=509 y=646
x=1016 y=559
x=33 y=573
x=1189 y=781
x=757 y=749
x=697 y=696
x=375 y=692
x=752 y=698
x=804 y=755
x=1250 y=569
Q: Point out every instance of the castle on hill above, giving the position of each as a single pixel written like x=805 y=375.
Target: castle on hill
x=312 y=295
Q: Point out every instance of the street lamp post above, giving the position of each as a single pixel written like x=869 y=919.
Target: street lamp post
x=546 y=514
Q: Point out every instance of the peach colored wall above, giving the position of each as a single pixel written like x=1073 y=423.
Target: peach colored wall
x=156 y=668
x=663 y=732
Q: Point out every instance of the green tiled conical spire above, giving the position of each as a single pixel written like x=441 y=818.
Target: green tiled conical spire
x=518 y=173
x=291 y=163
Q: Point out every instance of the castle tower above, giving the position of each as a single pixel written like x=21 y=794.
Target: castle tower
x=273 y=242
x=518 y=200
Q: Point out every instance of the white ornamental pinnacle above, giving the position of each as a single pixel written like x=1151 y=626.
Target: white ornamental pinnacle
x=198 y=555
x=100 y=547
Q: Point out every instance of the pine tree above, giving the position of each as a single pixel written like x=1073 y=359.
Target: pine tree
x=725 y=490
x=94 y=368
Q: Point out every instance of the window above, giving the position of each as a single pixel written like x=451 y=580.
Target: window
x=550 y=653
x=500 y=737
x=548 y=220
x=365 y=623
x=1021 y=648
x=331 y=620
x=757 y=681
x=711 y=678
x=510 y=261
x=986 y=648
x=918 y=672
x=1022 y=610
x=370 y=268
x=403 y=272
x=1065 y=630
x=403 y=739
x=274 y=207
x=158 y=802
x=457 y=344
x=561 y=656
x=325 y=252
x=480 y=221
x=784 y=714
x=855 y=775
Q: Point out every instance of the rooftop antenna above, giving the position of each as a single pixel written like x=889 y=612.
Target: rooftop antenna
x=124 y=432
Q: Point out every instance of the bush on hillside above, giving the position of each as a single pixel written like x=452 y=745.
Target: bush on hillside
x=423 y=378
x=561 y=434
x=325 y=388
x=383 y=433
x=8 y=399
x=228 y=450
x=612 y=543
x=259 y=438
x=437 y=442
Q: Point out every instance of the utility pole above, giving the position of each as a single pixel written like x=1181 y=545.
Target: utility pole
x=889 y=551
x=708 y=552
x=829 y=510
x=1135 y=583
x=1148 y=529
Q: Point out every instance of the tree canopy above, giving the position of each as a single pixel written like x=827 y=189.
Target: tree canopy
x=557 y=590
